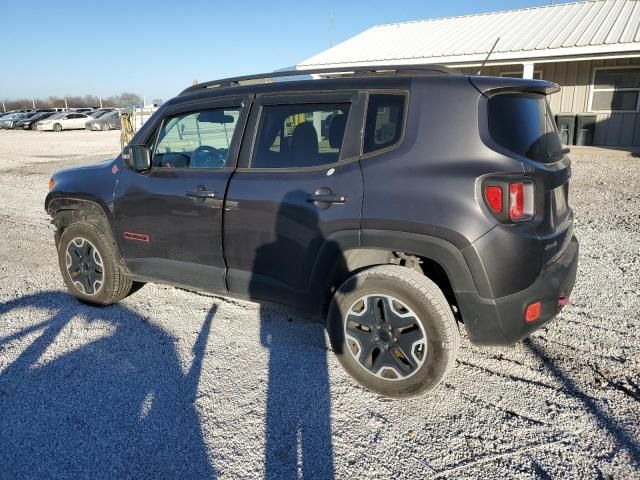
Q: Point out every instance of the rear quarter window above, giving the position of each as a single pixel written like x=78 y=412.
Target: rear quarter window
x=385 y=118
x=524 y=125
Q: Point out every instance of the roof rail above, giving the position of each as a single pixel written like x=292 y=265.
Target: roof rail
x=355 y=71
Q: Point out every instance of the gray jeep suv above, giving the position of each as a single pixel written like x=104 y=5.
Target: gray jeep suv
x=397 y=203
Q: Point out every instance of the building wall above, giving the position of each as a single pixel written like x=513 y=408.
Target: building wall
x=575 y=78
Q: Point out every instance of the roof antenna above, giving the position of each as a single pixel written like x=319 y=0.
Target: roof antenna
x=487 y=57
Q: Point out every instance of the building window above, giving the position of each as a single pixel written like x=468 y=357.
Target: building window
x=615 y=90
x=537 y=75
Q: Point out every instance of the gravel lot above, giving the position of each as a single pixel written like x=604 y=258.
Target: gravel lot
x=177 y=384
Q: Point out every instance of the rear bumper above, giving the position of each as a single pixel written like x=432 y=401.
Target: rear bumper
x=501 y=321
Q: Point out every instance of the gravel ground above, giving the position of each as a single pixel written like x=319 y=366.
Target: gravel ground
x=177 y=384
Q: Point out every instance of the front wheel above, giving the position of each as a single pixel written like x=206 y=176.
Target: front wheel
x=105 y=127
x=57 y=127
x=89 y=265
x=393 y=331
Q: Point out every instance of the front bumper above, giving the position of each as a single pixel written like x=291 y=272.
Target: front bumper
x=501 y=321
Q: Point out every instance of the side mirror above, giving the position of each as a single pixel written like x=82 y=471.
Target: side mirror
x=137 y=157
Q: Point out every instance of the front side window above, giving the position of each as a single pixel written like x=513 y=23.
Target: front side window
x=196 y=139
x=300 y=135
x=616 y=89
x=385 y=117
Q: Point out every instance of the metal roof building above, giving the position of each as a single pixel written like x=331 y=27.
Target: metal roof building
x=591 y=48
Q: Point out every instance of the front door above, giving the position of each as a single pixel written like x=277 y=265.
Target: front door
x=298 y=187
x=169 y=219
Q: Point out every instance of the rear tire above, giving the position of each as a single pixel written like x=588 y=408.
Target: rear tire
x=90 y=267
x=393 y=331
x=57 y=127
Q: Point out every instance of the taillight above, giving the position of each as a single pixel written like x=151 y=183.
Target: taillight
x=519 y=203
x=493 y=194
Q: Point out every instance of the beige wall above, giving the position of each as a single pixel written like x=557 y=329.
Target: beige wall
x=575 y=79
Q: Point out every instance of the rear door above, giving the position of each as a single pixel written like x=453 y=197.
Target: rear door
x=298 y=188
x=169 y=219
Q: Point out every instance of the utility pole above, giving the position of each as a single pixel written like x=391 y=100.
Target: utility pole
x=4 y=109
x=331 y=24
x=66 y=107
x=100 y=101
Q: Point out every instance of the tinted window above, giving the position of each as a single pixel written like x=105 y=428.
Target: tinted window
x=523 y=124
x=302 y=135
x=196 y=139
x=385 y=114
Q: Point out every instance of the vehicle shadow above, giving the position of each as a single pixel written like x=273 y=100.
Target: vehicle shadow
x=618 y=433
x=118 y=406
x=298 y=416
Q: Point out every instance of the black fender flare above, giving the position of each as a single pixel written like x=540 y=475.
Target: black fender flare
x=66 y=210
x=334 y=254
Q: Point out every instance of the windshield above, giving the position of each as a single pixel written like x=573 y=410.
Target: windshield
x=523 y=124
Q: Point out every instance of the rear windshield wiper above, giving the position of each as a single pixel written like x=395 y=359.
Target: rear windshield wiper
x=558 y=153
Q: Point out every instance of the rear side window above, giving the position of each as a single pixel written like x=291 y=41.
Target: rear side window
x=385 y=116
x=523 y=124
x=300 y=135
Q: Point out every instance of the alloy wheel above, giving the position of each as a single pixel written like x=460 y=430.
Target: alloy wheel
x=84 y=265
x=385 y=337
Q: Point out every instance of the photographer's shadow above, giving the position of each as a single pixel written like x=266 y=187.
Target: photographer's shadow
x=118 y=406
x=298 y=417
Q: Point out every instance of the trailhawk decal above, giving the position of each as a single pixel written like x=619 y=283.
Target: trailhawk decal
x=140 y=237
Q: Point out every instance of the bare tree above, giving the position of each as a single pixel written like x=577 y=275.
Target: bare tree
x=125 y=99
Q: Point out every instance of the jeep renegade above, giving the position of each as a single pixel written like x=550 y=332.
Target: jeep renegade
x=397 y=203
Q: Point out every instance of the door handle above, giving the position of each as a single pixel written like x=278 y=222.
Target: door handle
x=201 y=192
x=325 y=195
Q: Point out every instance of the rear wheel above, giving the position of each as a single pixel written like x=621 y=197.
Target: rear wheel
x=57 y=127
x=393 y=331
x=89 y=265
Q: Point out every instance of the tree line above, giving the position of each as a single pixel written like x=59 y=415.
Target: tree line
x=125 y=99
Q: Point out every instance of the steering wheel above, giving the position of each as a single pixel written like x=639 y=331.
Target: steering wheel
x=206 y=156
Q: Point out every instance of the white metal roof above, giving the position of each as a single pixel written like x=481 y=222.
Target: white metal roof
x=588 y=28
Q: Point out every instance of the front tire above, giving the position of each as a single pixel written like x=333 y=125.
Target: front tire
x=57 y=127
x=105 y=127
x=393 y=331
x=89 y=264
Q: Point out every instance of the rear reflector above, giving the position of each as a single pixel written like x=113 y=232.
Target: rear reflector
x=533 y=312
x=493 y=194
x=516 y=201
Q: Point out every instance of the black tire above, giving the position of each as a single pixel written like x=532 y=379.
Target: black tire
x=105 y=127
x=57 y=127
x=115 y=284
x=433 y=331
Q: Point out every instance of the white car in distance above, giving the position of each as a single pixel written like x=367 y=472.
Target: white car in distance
x=64 y=121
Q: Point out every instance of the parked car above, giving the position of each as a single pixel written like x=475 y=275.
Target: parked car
x=7 y=121
x=26 y=116
x=83 y=109
x=31 y=122
x=63 y=121
x=108 y=121
x=434 y=198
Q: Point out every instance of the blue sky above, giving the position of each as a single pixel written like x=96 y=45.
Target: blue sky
x=156 y=48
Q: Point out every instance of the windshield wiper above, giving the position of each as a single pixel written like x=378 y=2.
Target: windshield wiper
x=558 y=153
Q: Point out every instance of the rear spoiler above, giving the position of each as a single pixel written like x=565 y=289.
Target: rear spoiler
x=489 y=86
